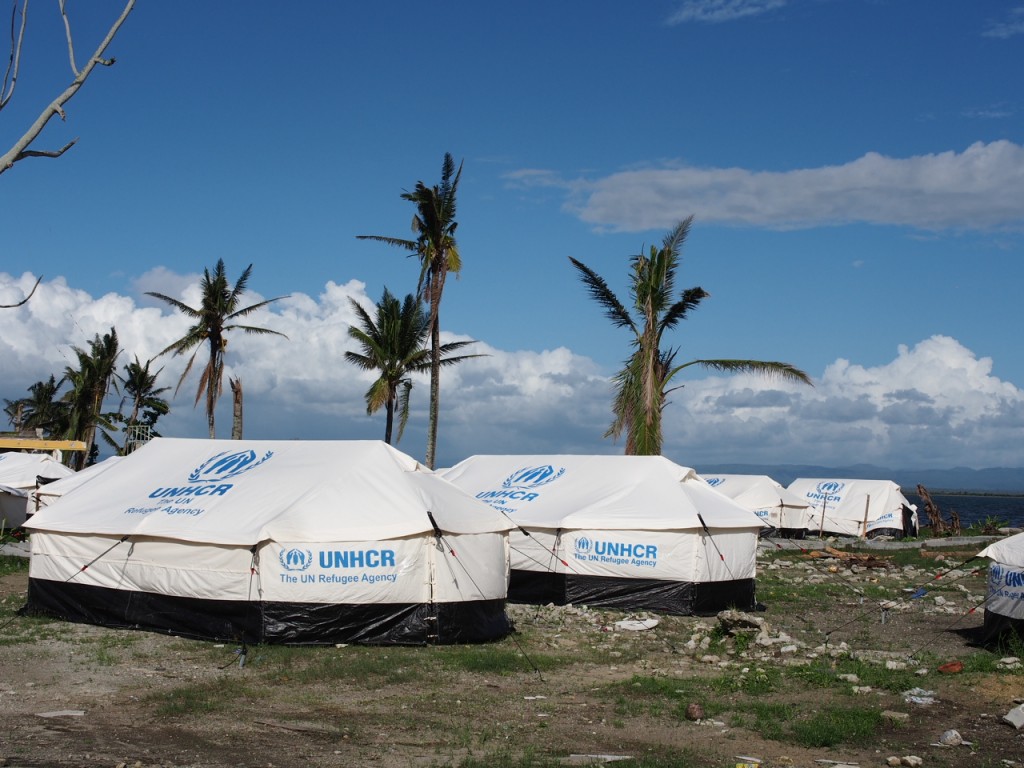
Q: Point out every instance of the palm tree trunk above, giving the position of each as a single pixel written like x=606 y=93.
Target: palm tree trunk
x=389 y=420
x=435 y=387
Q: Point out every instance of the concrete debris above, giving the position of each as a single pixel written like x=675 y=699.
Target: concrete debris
x=952 y=738
x=636 y=625
x=738 y=621
x=1015 y=717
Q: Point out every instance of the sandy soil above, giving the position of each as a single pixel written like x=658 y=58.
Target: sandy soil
x=76 y=695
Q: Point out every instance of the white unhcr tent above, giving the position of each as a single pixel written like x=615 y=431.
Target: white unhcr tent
x=20 y=475
x=862 y=508
x=273 y=541
x=1004 y=606
x=777 y=507
x=629 y=532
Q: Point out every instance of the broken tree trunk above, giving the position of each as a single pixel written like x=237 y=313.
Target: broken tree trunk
x=236 y=396
x=932 y=510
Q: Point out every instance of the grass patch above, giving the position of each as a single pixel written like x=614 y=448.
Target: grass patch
x=494 y=659
x=354 y=665
x=201 y=698
x=10 y=564
x=831 y=726
x=757 y=700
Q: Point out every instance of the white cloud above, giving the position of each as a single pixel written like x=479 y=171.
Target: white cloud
x=979 y=188
x=934 y=405
x=717 y=11
x=1010 y=26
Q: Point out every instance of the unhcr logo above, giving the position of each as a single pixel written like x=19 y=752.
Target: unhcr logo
x=830 y=487
x=296 y=559
x=224 y=465
x=714 y=482
x=583 y=545
x=533 y=477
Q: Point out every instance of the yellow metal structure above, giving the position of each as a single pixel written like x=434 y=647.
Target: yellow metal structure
x=39 y=444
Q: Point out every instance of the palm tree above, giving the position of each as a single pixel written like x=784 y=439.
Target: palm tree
x=641 y=387
x=42 y=409
x=138 y=387
x=90 y=383
x=393 y=344
x=213 y=318
x=14 y=410
x=434 y=226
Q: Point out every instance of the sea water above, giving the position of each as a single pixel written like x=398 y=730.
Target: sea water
x=974 y=508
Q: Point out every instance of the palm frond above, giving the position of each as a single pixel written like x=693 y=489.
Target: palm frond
x=409 y=245
x=253 y=330
x=181 y=306
x=769 y=368
x=253 y=307
x=604 y=296
x=690 y=300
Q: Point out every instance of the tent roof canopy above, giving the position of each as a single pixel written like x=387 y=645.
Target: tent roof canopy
x=19 y=470
x=598 y=492
x=244 y=492
x=756 y=491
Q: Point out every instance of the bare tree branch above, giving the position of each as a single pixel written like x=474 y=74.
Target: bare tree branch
x=20 y=150
x=67 y=34
x=25 y=300
x=14 y=62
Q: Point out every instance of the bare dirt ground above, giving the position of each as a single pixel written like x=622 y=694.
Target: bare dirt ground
x=78 y=695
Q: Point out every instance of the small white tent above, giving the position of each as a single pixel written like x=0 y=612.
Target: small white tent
x=1004 y=606
x=863 y=508
x=20 y=475
x=273 y=541
x=623 y=532
x=777 y=507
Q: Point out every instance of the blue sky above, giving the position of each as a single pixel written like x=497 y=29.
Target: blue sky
x=855 y=169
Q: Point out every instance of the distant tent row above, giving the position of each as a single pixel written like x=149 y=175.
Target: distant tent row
x=862 y=508
x=779 y=509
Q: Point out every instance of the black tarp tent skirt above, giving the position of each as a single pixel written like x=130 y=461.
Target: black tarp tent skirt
x=241 y=621
x=999 y=630
x=678 y=598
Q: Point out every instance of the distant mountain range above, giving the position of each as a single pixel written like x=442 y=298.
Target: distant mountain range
x=962 y=479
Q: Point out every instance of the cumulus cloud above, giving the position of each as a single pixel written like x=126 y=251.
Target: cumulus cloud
x=979 y=188
x=934 y=405
x=717 y=11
